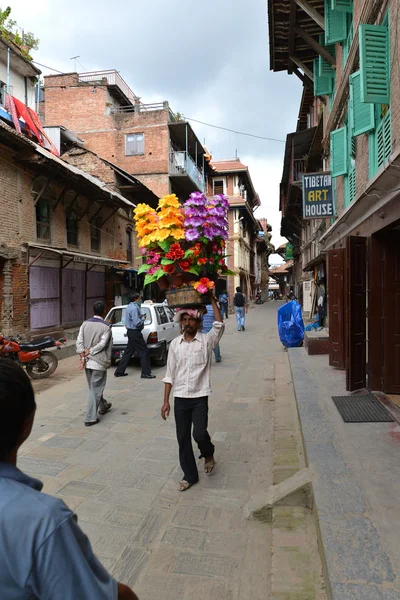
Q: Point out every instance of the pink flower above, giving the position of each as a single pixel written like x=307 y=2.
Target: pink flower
x=152 y=270
x=143 y=251
x=211 y=261
x=202 y=288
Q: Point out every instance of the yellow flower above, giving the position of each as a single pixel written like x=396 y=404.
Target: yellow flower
x=142 y=209
x=169 y=200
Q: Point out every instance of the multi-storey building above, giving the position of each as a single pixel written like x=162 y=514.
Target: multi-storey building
x=232 y=178
x=145 y=140
x=64 y=234
x=346 y=52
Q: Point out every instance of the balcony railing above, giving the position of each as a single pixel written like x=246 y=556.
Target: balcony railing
x=110 y=78
x=181 y=163
x=299 y=167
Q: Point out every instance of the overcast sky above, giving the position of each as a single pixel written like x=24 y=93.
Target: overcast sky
x=209 y=59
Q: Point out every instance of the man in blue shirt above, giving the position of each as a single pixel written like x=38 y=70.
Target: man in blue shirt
x=134 y=323
x=44 y=555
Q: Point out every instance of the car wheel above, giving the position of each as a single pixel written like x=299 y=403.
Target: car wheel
x=161 y=360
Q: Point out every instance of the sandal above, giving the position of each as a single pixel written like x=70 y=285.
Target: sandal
x=106 y=409
x=184 y=485
x=209 y=464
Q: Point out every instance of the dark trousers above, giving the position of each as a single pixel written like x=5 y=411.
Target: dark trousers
x=188 y=412
x=137 y=344
x=224 y=309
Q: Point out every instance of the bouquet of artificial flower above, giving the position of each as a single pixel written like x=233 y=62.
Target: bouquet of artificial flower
x=183 y=244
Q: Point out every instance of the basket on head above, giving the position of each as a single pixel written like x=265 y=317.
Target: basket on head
x=185 y=296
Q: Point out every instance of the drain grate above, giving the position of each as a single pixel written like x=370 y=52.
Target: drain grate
x=361 y=409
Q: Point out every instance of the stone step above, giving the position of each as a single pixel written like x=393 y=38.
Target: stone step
x=71 y=333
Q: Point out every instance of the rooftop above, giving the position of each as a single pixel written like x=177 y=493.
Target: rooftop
x=232 y=164
x=19 y=62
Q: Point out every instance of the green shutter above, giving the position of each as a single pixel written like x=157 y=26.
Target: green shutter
x=339 y=152
x=335 y=25
x=374 y=64
x=362 y=116
x=383 y=140
x=343 y=5
x=325 y=69
x=322 y=85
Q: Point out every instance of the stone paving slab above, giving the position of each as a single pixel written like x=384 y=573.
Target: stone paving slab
x=356 y=475
x=121 y=475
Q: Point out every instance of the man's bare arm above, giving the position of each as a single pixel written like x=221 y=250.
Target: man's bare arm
x=165 y=409
x=217 y=312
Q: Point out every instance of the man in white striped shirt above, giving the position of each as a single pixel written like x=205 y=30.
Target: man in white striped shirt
x=188 y=372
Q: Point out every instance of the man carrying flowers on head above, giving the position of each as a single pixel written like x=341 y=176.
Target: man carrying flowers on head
x=188 y=373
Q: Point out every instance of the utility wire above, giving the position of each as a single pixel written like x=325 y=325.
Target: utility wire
x=46 y=67
x=260 y=137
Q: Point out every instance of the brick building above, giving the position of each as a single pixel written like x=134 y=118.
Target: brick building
x=231 y=177
x=346 y=52
x=145 y=140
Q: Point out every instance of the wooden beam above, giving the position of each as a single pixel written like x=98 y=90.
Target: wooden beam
x=110 y=215
x=35 y=259
x=303 y=67
x=43 y=189
x=292 y=24
x=314 y=14
x=315 y=45
x=304 y=79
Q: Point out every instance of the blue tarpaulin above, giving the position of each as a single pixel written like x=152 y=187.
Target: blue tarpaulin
x=290 y=325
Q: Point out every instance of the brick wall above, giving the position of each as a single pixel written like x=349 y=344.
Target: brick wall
x=87 y=110
x=18 y=226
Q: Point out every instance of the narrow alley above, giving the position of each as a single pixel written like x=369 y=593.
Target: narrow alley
x=121 y=477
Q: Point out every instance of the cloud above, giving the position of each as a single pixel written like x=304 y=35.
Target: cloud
x=209 y=60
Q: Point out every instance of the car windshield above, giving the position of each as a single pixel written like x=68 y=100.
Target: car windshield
x=117 y=317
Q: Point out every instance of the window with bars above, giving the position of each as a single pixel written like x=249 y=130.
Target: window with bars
x=72 y=228
x=95 y=235
x=134 y=144
x=43 y=220
x=219 y=186
x=129 y=254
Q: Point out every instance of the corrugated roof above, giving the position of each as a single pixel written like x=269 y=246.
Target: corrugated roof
x=81 y=174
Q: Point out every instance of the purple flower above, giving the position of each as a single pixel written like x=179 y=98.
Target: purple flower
x=191 y=235
x=217 y=211
x=196 y=199
x=193 y=222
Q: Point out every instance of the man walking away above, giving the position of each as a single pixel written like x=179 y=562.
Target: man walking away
x=241 y=307
x=188 y=372
x=94 y=345
x=208 y=320
x=53 y=558
x=223 y=300
x=134 y=323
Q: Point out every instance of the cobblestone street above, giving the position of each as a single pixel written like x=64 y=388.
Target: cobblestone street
x=121 y=477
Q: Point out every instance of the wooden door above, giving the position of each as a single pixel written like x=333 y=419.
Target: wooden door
x=73 y=296
x=356 y=370
x=44 y=297
x=336 y=307
x=391 y=311
x=95 y=290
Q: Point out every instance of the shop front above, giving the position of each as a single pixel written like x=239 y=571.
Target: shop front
x=364 y=293
x=63 y=285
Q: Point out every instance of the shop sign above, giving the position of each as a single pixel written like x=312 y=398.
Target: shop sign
x=289 y=252
x=94 y=261
x=318 y=196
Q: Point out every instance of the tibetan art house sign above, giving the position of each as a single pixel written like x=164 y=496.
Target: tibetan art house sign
x=318 y=196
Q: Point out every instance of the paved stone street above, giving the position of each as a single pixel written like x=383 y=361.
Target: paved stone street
x=121 y=475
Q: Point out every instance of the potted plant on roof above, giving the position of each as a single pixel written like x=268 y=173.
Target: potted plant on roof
x=184 y=245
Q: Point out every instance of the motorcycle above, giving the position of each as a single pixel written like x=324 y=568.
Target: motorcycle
x=38 y=362
x=259 y=300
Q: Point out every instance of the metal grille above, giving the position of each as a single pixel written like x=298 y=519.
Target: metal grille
x=361 y=409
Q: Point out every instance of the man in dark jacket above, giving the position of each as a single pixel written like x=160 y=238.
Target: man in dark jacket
x=134 y=323
x=241 y=307
x=94 y=346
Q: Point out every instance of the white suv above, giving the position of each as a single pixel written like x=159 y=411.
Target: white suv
x=158 y=332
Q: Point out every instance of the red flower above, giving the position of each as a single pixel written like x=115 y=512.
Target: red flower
x=211 y=261
x=222 y=262
x=175 y=252
x=185 y=264
x=224 y=267
x=202 y=261
x=168 y=269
